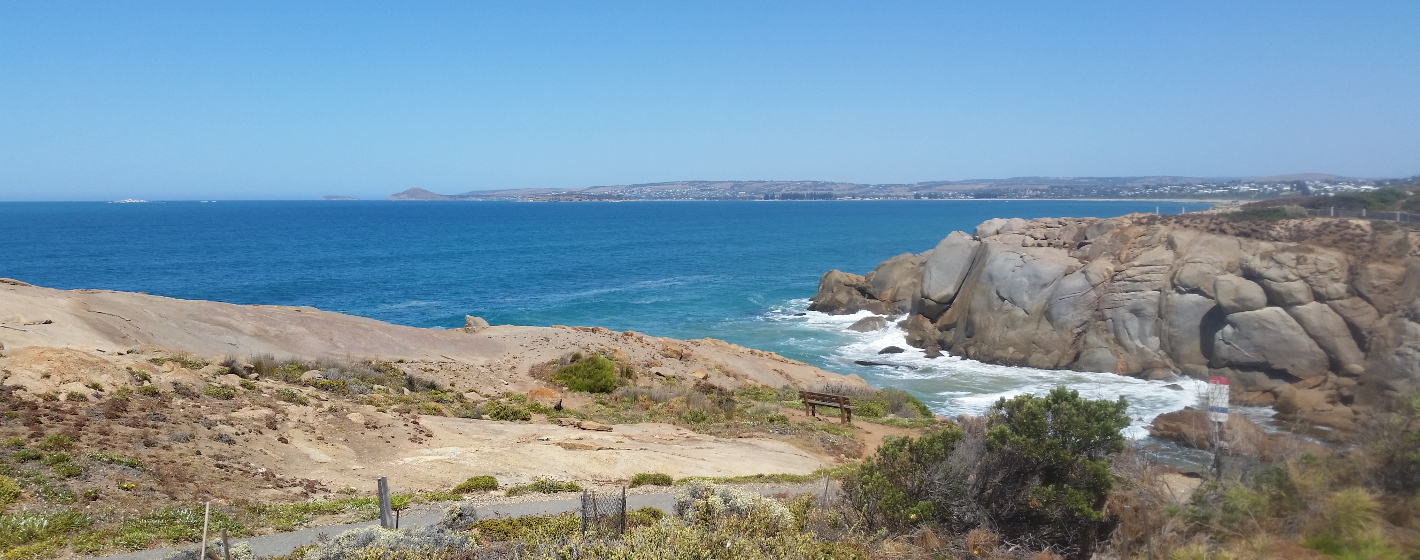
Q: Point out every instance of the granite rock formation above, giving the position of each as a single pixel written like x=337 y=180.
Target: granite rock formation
x=1318 y=317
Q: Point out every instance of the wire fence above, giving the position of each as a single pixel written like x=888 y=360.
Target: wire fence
x=603 y=514
x=1387 y=215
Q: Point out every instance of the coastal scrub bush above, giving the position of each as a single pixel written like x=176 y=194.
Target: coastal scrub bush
x=106 y=457
x=591 y=374
x=221 y=392
x=544 y=486
x=894 y=487
x=476 y=483
x=9 y=492
x=506 y=412
x=55 y=442
x=532 y=529
x=1061 y=445
x=651 y=479
x=703 y=503
x=47 y=530
x=292 y=396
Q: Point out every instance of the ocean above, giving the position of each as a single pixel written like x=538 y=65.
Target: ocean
x=737 y=271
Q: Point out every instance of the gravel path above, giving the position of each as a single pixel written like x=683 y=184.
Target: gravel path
x=488 y=507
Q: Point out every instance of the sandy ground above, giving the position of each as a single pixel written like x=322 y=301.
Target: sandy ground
x=258 y=448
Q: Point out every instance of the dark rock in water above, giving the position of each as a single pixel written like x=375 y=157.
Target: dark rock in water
x=868 y=324
x=871 y=363
x=891 y=350
x=1174 y=386
x=800 y=314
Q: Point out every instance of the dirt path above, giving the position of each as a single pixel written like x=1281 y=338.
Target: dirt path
x=424 y=516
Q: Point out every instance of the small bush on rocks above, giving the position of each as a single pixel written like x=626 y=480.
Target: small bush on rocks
x=477 y=483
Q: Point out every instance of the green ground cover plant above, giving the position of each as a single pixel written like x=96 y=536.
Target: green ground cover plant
x=590 y=374
x=475 y=484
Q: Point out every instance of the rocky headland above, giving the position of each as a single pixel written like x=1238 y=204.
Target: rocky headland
x=1318 y=318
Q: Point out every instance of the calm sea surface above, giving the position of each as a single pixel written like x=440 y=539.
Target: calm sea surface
x=738 y=271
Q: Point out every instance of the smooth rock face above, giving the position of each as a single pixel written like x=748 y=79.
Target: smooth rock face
x=1237 y=294
x=1285 y=294
x=868 y=324
x=897 y=280
x=1268 y=338
x=946 y=269
x=1330 y=332
x=843 y=293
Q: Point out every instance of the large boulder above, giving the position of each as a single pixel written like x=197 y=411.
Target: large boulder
x=1382 y=285
x=1236 y=294
x=945 y=270
x=1268 y=338
x=1189 y=320
x=1285 y=294
x=841 y=293
x=1192 y=428
x=868 y=324
x=897 y=280
x=1330 y=332
x=1361 y=317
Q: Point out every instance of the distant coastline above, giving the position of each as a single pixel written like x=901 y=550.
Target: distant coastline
x=1151 y=188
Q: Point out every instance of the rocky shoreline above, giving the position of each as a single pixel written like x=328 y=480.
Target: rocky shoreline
x=1318 y=318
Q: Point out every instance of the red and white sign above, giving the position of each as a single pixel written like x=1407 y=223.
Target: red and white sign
x=1218 y=399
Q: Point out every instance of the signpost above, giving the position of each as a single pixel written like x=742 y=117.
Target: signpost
x=1218 y=419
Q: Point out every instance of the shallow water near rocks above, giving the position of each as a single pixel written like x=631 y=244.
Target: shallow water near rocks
x=738 y=271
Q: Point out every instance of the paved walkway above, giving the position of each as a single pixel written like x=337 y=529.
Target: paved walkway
x=420 y=516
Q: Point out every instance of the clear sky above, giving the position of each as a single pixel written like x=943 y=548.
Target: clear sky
x=267 y=100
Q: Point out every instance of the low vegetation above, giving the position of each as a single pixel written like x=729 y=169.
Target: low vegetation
x=476 y=484
x=544 y=486
x=590 y=374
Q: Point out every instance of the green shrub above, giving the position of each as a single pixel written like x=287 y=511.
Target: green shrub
x=644 y=516
x=430 y=409
x=499 y=410
x=1063 y=444
x=893 y=488
x=221 y=392
x=532 y=529
x=106 y=457
x=544 y=486
x=651 y=479
x=75 y=396
x=140 y=375
x=24 y=455
x=15 y=443
x=9 y=492
x=178 y=525
x=477 y=483
x=149 y=391
x=593 y=374
x=292 y=396
x=67 y=470
x=55 y=442
x=20 y=529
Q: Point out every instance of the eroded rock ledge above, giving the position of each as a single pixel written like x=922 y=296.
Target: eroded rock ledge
x=1318 y=318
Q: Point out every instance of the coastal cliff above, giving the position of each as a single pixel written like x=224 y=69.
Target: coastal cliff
x=1318 y=318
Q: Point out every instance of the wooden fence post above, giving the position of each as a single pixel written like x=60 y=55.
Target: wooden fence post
x=206 y=516
x=382 y=486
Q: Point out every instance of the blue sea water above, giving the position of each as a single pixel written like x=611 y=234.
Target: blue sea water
x=738 y=271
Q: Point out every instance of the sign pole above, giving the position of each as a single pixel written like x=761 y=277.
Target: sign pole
x=1218 y=418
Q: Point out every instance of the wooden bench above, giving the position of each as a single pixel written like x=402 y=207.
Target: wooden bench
x=844 y=405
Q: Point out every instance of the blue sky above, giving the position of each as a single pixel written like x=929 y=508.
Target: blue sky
x=270 y=100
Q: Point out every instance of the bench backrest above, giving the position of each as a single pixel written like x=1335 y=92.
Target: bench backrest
x=825 y=397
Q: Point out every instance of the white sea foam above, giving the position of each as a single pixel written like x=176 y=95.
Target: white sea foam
x=952 y=385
